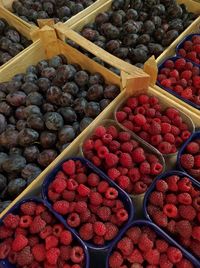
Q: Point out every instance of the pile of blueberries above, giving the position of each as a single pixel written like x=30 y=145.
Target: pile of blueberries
x=41 y=112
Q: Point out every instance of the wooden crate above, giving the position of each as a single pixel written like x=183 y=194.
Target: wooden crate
x=133 y=86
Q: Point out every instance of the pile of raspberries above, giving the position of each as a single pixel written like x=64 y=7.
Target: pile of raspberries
x=190 y=159
x=162 y=128
x=122 y=158
x=191 y=49
x=34 y=238
x=87 y=202
x=174 y=205
x=142 y=247
x=183 y=77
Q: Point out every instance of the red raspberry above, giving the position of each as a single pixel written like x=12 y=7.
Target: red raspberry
x=160 y=218
x=134 y=234
x=33 y=240
x=61 y=207
x=68 y=195
x=139 y=119
x=52 y=255
x=52 y=195
x=196 y=232
x=180 y=64
x=169 y=64
x=155 y=128
x=59 y=185
x=138 y=155
x=196 y=203
x=51 y=242
x=46 y=232
x=170 y=210
x=104 y=213
x=111 y=231
x=20 y=230
x=86 y=231
x=125 y=160
x=145 y=168
x=184 y=198
x=156 y=140
x=134 y=174
x=197 y=161
x=124 y=136
x=80 y=207
x=102 y=186
x=73 y=220
x=114 y=146
x=139 y=187
x=100 y=131
x=184 y=185
x=99 y=228
x=11 y=221
x=172 y=183
x=111 y=160
x=107 y=138
x=125 y=245
x=174 y=254
x=185 y=135
x=113 y=173
x=184 y=228
x=156 y=168
x=132 y=103
x=88 y=145
x=66 y=238
x=193 y=148
x=121 y=116
x=165 y=147
x=4 y=250
x=96 y=198
x=169 y=138
x=161 y=245
x=145 y=244
x=25 y=257
x=187 y=74
x=112 y=130
x=46 y=216
x=115 y=260
x=187 y=212
x=123 y=182
x=39 y=252
x=5 y=232
x=152 y=256
x=184 y=263
x=111 y=193
x=135 y=257
x=37 y=225
x=102 y=151
x=77 y=255
x=122 y=215
x=195 y=246
x=166 y=83
x=69 y=167
x=83 y=190
x=165 y=262
x=98 y=143
x=156 y=198
x=28 y=208
x=19 y=243
x=196 y=81
x=187 y=161
x=161 y=186
x=127 y=147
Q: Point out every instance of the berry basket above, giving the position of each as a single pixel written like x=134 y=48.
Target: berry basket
x=166 y=216
x=160 y=66
x=15 y=209
x=137 y=199
x=193 y=137
x=169 y=158
x=161 y=235
x=89 y=166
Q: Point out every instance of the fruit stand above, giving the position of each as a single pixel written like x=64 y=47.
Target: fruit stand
x=99 y=140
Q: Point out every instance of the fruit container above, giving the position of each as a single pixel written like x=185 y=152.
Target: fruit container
x=196 y=106
x=91 y=168
x=160 y=234
x=22 y=29
x=193 y=137
x=137 y=199
x=170 y=159
x=15 y=210
x=96 y=50
x=78 y=15
x=194 y=183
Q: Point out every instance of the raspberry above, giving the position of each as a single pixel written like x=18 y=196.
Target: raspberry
x=184 y=185
x=184 y=263
x=73 y=220
x=111 y=193
x=196 y=232
x=138 y=155
x=86 y=231
x=156 y=140
x=72 y=184
x=155 y=128
x=123 y=182
x=139 y=187
x=52 y=255
x=77 y=254
x=25 y=257
x=12 y=257
x=51 y=242
x=33 y=240
x=152 y=256
x=125 y=160
x=139 y=119
x=80 y=207
x=172 y=183
x=196 y=203
x=113 y=173
x=125 y=245
x=19 y=243
x=4 y=250
x=197 y=161
x=61 y=207
x=46 y=232
x=174 y=254
x=166 y=83
x=121 y=116
x=115 y=260
x=46 y=216
x=52 y=195
x=135 y=257
x=68 y=195
x=37 y=225
x=83 y=190
x=170 y=210
x=161 y=245
x=184 y=198
x=156 y=168
x=156 y=198
x=165 y=262
x=11 y=221
x=20 y=230
x=185 y=135
x=65 y=252
x=59 y=185
x=134 y=174
x=111 y=160
x=195 y=246
x=102 y=186
x=180 y=64
x=100 y=131
x=127 y=147
x=88 y=145
x=184 y=228
x=99 y=228
x=96 y=198
x=187 y=212
x=102 y=151
x=39 y=252
x=160 y=218
x=165 y=147
x=112 y=130
x=114 y=146
x=5 y=232
x=193 y=148
x=161 y=186
x=104 y=213
x=122 y=215
x=134 y=234
x=145 y=244
x=69 y=167
x=145 y=168
x=111 y=231
x=107 y=138
x=66 y=238
x=28 y=208
x=98 y=143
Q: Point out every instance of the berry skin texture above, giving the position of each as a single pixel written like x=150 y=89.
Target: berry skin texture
x=37 y=225
x=174 y=255
x=170 y=210
x=69 y=167
x=11 y=221
x=187 y=161
x=39 y=252
x=52 y=255
x=61 y=207
x=19 y=243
